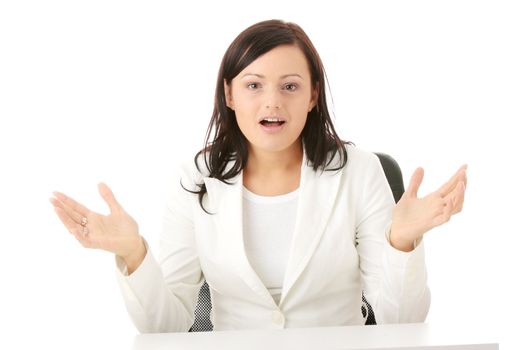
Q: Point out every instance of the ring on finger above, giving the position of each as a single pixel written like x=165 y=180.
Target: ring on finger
x=83 y=223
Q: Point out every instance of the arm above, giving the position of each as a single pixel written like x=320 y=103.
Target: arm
x=394 y=282
x=161 y=296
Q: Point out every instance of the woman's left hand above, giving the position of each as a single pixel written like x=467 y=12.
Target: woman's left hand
x=412 y=217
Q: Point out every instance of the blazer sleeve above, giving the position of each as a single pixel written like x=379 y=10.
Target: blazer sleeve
x=394 y=282
x=161 y=296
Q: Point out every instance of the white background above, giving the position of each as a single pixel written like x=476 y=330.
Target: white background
x=121 y=91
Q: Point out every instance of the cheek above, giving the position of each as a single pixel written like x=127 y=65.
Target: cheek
x=244 y=103
x=246 y=112
x=299 y=111
x=245 y=120
x=298 y=124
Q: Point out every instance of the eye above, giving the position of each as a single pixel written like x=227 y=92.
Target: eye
x=252 y=86
x=290 y=87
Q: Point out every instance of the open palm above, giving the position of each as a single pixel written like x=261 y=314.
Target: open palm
x=117 y=232
x=413 y=216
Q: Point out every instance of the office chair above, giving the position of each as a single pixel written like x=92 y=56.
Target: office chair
x=394 y=176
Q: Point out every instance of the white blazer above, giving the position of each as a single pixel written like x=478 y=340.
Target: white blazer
x=339 y=249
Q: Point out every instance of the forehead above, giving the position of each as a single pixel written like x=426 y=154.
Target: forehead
x=280 y=61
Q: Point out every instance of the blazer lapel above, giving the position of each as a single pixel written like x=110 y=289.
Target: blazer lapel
x=226 y=203
x=317 y=194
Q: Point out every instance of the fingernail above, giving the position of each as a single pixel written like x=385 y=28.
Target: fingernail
x=59 y=195
x=463 y=167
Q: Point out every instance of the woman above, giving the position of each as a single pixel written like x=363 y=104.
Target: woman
x=288 y=224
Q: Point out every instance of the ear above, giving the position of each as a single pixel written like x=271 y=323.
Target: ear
x=314 y=97
x=228 y=95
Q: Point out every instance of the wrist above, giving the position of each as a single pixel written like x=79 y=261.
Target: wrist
x=135 y=258
x=400 y=243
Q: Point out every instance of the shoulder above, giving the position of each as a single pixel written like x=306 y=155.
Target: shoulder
x=361 y=166
x=359 y=154
x=360 y=158
x=191 y=171
x=185 y=174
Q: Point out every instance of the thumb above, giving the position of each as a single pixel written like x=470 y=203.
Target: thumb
x=415 y=182
x=108 y=197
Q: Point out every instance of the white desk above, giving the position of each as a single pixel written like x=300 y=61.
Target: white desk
x=414 y=336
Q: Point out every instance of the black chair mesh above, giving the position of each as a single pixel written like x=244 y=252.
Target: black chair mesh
x=393 y=173
x=202 y=321
x=367 y=311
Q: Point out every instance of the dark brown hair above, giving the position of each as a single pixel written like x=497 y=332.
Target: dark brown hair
x=227 y=143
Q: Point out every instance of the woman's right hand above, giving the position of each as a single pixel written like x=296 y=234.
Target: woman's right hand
x=117 y=232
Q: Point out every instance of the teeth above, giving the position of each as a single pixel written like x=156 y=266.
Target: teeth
x=272 y=119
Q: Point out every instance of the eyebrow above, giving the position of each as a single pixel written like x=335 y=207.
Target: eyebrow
x=281 y=77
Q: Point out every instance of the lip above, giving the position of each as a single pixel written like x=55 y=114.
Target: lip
x=272 y=116
x=272 y=129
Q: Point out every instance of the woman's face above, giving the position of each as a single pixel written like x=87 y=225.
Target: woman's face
x=271 y=98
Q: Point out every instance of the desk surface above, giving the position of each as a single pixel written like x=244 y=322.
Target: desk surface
x=415 y=336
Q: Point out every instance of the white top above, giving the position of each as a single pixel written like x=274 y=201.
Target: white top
x=268 y=223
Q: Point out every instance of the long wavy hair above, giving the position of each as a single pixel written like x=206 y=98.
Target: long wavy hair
x=224 y=141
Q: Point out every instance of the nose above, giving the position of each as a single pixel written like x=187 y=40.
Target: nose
x=273 y=99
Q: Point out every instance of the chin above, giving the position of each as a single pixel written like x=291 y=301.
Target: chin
x=272 y=146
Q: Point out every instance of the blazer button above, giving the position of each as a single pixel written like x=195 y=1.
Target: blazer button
x=278 y=318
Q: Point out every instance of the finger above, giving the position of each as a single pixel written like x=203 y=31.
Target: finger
x=85 y=236
x=77 y=230
x=465 y=180
x=73 y=227
x=449 y=186
x=415 y=182
x=85 y=240
x=71 y=203
x=448 y=210
x=440 y=205
x=459 y=197
x=108 y=197
x=76 y=217
x=445 y=215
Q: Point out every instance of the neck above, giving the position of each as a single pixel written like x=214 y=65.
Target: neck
x=268 y=163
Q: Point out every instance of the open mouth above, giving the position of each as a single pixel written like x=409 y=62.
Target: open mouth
x=272 y=121
x=265 y=122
